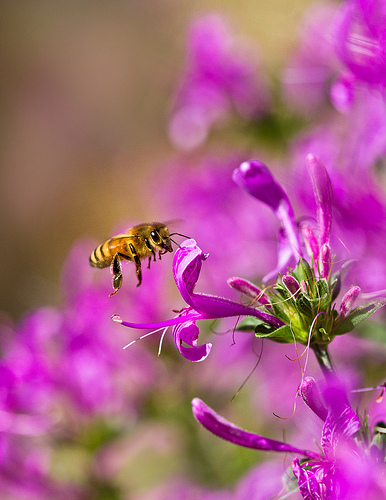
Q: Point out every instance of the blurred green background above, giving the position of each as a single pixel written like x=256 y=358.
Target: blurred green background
x=85 y=91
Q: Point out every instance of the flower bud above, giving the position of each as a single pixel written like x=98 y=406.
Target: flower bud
x=325 y=261
x=349 y=300
x=249 y=289
x=291 y=284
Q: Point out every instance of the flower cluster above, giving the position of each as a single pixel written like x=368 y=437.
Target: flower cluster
x=304 y=298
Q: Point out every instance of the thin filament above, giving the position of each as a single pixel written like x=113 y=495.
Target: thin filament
x=161 y=340
x=143 y=336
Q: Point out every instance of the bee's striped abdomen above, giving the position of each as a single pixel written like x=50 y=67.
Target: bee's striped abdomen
x=101 y=256
x=104 y=254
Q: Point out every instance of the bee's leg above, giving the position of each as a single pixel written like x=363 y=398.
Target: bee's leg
x=148 y=266
x=116 y=270
x=137 y=261
x=147 y=243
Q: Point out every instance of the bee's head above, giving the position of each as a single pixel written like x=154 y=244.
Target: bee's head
x=159 y=235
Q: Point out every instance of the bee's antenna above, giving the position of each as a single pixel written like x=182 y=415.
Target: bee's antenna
x=175 y=242
x=179 y=234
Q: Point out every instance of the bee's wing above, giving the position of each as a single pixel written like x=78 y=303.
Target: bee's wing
x=171 y=222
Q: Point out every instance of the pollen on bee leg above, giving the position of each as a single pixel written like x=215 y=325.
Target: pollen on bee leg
x=116 y=318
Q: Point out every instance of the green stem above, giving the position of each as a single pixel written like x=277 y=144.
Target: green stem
x=323 y=358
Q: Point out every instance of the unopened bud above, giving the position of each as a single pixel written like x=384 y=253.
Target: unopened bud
x=291 y=284
x=325 y=261
x=349 y=300
x=249 y=289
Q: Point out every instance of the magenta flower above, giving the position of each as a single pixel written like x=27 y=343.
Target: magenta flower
x=304 y=297
x=187 y=264
x=323 y=474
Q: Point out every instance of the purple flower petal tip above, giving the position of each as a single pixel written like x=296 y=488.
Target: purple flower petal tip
x=196 y=354
x=312 y=397
x=255 y=178
x=197 y=405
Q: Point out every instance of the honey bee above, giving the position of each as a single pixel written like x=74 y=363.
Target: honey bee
x=141 y=241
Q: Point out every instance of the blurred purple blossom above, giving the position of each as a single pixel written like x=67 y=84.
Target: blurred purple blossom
x=24 y=471
x=350 y=42
x=306 y=78
x=60 y=369
x=360 y=39
x=221 y=74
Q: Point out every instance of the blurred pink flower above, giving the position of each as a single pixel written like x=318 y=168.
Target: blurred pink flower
x=221 y=74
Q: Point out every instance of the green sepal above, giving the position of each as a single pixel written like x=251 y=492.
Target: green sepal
x=249 y=324
x=317 y=304
x=282 y=335
x=323 y=335
x=282 y=291
x=264 y=328
x=281 y=297
x=336 y=285
x=304 y=304
x=323 y=292
x=357 y=315
x=303 y=272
